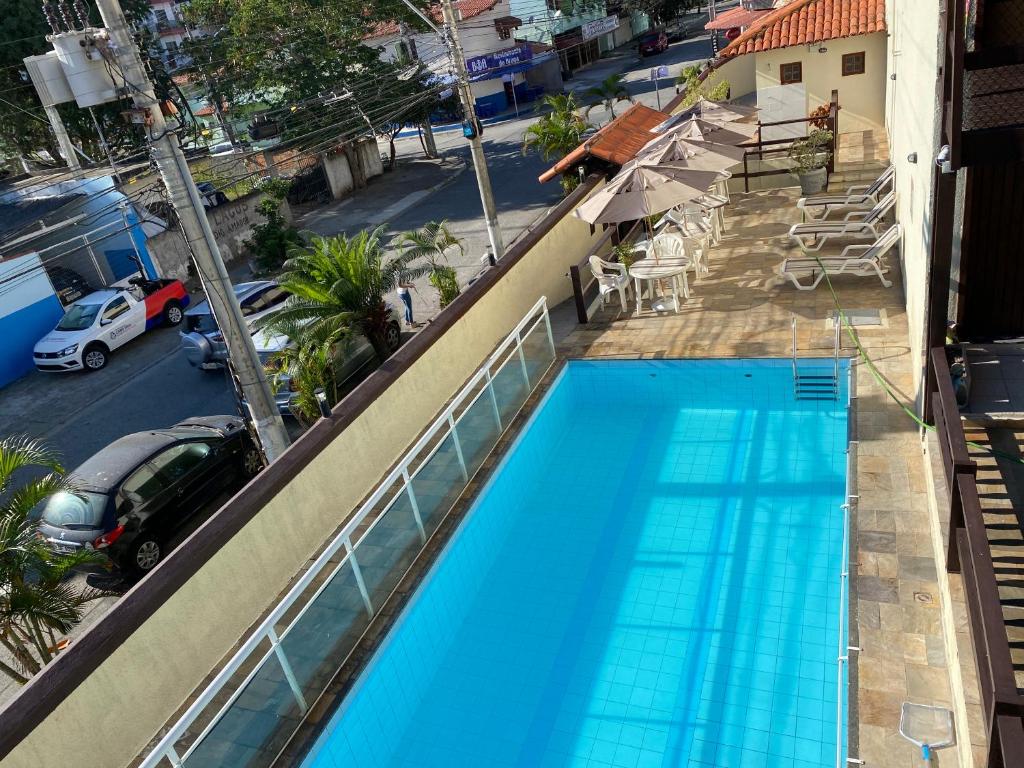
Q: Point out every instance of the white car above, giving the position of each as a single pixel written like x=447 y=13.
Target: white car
x=103 y=321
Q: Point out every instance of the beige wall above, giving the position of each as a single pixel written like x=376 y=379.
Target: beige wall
x=913 y=110
x=114 y=713
x=739 y=71
x=861 y=97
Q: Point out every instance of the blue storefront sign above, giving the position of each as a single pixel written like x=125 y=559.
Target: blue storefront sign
x=517 y=55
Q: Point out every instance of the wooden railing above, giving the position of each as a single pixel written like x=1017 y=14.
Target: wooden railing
x=583 y=281
x=970 y=556
x=781 y=147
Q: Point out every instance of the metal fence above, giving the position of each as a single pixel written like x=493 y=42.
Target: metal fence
x=254 y=704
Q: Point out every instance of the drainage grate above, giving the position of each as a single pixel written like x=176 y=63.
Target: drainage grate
x=859 y=318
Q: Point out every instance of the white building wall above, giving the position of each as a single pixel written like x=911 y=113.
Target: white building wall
x=913 y=111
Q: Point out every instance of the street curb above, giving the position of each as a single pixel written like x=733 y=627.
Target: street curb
x=449 y=127
x=406 y=203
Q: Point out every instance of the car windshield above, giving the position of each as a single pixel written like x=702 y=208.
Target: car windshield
x=81 y=509
x=201 y=319
x=79 y=317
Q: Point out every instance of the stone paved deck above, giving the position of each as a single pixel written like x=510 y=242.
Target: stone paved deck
x=741 y=309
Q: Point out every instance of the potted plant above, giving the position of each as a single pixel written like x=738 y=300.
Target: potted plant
x=810 y=155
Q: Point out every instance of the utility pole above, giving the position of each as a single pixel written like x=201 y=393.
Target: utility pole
x=63 y=140
x=189 y=208
x=476 y=146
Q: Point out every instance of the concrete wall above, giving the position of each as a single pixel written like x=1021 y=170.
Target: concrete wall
x=232 y=224
x=111 y=716
x=342 y=177
x=28 y=311
x=861 y=97
x=913 y=108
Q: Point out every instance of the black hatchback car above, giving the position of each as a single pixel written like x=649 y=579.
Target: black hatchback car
x=135 y=494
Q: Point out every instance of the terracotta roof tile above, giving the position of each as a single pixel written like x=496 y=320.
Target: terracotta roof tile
x=616 y=143
x=469 y=9
x=800 y=22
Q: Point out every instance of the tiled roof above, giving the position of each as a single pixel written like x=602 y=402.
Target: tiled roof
x=468 y=8
x=616 y=143
x=800 y=22
x=735 y=17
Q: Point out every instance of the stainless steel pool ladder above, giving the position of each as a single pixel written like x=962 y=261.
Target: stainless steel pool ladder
x=817 y=382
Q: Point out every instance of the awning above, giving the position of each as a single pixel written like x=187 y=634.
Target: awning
x=735 y=17
x=507 y=23
x=511 y=69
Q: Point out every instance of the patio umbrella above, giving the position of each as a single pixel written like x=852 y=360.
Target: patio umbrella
x=640 y=190
x=720 y=111
x=708 y=155
x=704 y=130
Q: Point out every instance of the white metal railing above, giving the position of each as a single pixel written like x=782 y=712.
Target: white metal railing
x=844 y=647
x=444 y=426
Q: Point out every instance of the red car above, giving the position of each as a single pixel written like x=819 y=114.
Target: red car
x=732 y=33
x=655 y=41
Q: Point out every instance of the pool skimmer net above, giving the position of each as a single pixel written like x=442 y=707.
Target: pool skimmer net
x=928 y=727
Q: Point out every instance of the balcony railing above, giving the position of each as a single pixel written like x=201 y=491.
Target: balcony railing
x=970 y=556
x=259 y=698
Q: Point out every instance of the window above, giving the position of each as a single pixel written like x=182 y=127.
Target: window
x=265 y=299
x=504 y=33
x=116 y=308
x=161 y=16
x=853 y=63
x=178 y=461
x=141 y=486
x=791 y=73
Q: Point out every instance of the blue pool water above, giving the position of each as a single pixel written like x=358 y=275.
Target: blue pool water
x=651 y=578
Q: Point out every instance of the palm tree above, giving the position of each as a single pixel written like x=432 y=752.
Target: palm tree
x=309 y=367
x=36 y=604
x=338 y=284
x=556 y=134
x=608 y=92
x=430 y=242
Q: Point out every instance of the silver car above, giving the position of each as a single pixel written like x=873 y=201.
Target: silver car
x=201 y=338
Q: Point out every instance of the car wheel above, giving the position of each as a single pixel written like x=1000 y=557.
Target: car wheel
x=95 y=357
x=252 y=462
x=393 y=336
x=173 y=313
x=143 y=555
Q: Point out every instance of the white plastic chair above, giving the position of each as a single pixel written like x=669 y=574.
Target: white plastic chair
x=672 y=247
x=611 y=277
x=857 y=196
x=811 y=235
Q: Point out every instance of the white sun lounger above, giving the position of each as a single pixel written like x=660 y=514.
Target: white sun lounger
x=811 y=235
x=858 y=196
x=858 y=260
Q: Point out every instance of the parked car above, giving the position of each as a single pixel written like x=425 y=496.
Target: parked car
x=654 y=41
x=212 y=197
x=350 y=360
x=97 y=324
x=68 y=284
x=131 y=498
x=732 y=33
x=256 y=299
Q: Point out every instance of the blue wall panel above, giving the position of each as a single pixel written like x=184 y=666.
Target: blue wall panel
x=20 y=331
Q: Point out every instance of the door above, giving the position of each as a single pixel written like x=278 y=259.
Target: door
x=140 y=498
x=194 y=474
x=120 y=322
x=357 y=354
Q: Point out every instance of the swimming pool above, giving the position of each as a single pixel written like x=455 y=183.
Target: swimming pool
x=650 y=578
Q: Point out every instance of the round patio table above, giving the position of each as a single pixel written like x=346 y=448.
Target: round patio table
x=652 y=270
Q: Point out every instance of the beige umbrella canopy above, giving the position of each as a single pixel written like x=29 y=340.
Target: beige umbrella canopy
x=708 y=155
x=704 y=130
x=641 y=190
x=720 y=111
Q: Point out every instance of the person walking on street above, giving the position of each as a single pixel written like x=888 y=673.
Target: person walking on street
x=404 y=293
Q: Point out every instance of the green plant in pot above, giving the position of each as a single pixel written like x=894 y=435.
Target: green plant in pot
x=810 y=156
x=624 y=254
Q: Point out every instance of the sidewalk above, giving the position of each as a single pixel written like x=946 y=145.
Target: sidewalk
x=385 y=197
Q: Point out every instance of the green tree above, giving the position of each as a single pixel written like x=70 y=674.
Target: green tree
x=309 y=366
x=431 y=242
x=559 y=132
x=37 y=605
x=660 y=11
x=338 y=284
x=608 y=93
x=689 y=84
x=274 y=237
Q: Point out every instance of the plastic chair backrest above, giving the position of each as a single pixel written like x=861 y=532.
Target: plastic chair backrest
x=668 y=246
